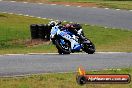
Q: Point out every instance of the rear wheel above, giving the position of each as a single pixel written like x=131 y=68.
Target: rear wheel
x=89 y=48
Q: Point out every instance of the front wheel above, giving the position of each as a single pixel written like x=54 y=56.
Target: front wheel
x=62 y=48
x=62 y=52
x=89 y=48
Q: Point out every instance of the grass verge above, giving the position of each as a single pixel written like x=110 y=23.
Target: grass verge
x=14 y=31
x=119 y=4
x=60 y=80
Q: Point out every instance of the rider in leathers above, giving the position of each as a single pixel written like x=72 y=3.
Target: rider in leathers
x=62 y=32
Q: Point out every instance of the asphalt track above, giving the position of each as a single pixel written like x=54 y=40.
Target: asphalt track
x=96 y=16
x=30 y=64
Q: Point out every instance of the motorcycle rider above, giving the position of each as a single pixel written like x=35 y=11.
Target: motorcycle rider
x=75 y=29
x=75 y=46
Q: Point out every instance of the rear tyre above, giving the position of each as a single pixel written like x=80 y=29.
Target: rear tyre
x=89 y=48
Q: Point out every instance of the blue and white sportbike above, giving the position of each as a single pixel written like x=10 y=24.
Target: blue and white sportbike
x=67 y=42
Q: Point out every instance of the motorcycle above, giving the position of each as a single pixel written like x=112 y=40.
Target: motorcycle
x=64 y=46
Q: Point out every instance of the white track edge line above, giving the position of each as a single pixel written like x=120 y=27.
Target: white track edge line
x=53 y=4
x=40 y=3
x=25 y=2
x=12 y=1
x=43 y=73
x=58 y=54
x=106 y=8
x=117 y=9
x=69 y=5
x=79 y=6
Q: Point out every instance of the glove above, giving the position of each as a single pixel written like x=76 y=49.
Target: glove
x=79 y=31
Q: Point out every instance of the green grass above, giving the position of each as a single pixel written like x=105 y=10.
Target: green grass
x=109 y=39
x=14 y=31
x=117 y=4
x=121 y=4
x=60 y=80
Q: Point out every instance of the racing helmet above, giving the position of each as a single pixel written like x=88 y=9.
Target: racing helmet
x=52 y=23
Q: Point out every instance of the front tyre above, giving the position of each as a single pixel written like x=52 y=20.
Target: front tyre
x=61 y=52
x=62 y=49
